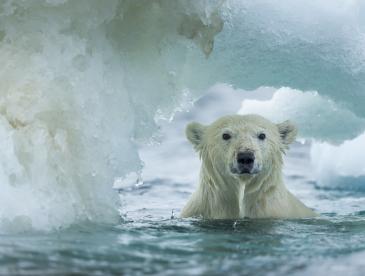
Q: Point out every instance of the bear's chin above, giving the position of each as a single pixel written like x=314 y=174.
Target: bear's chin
x=246 y=176
x=243 y=176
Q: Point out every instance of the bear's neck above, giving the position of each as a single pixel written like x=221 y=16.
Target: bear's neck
x=264 y=193
x=222 y=195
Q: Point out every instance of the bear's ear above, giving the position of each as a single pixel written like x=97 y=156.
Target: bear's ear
x=288 y=132
x=195 y=132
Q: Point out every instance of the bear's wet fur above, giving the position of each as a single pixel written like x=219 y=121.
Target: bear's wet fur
x=232 y=186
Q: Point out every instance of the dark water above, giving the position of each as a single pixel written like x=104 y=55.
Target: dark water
x=174 y=246
x=149 y=239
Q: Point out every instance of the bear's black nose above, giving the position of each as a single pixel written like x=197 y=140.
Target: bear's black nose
x=245 y=158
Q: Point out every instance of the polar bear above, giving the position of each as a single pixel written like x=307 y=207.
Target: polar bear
x=241 y=171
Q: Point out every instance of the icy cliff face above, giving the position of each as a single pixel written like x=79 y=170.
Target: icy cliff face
x=317 y=46
x=80 y=82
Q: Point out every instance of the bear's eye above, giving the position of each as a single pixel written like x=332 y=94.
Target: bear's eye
x=226 y=136
x=262 y=136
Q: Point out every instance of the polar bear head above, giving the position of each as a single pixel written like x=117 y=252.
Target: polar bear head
x=243 y=146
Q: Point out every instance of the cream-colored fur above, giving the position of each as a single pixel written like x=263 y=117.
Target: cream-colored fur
x=218 y=196
x=224 y=194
